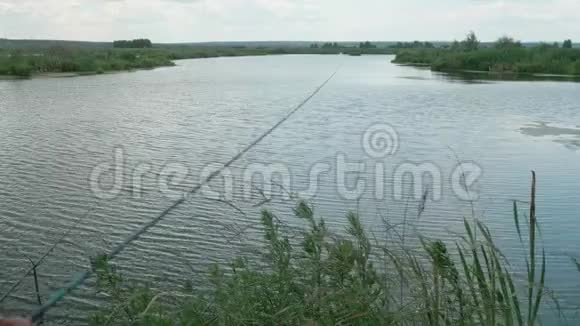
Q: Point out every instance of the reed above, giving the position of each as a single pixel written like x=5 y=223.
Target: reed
x=333 y=279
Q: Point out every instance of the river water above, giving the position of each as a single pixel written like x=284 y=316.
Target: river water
x=99 y=156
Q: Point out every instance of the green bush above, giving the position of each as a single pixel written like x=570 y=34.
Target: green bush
x=575 y=68
x=118 y=65
x=69 y=66
x=20 y=69
x=330 y=279
x=128 y=56
x=543 y=59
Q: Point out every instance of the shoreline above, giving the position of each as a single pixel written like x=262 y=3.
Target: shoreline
x=56 y=75
x=488 y=73
x=53 y=75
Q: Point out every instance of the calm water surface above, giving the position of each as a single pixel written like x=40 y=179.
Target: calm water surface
x=54 y=132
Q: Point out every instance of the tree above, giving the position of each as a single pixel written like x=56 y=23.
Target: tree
x=506 y=42
x=367 y=45
x=471 y=43
x=134 y=44
x=142 y=43
x=455 y=45
x=567 y=44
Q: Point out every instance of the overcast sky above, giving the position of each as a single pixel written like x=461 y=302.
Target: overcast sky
x=259 y=20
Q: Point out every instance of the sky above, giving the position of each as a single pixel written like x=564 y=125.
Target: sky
x=292 y=20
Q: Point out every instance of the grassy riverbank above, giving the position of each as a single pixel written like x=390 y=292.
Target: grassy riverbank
x=61 y=60
x=315 y=277
x=27 y=63
x=536 y=60
x=30 y=62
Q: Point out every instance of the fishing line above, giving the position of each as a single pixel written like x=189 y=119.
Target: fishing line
x=43 y=257
x=84 y=276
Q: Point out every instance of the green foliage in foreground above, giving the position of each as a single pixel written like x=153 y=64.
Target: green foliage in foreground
x=501 y=59
x=325 y=279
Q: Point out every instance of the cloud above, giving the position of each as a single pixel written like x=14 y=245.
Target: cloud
x=207 y=20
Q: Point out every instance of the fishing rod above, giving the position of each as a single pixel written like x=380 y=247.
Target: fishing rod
x=81 y=278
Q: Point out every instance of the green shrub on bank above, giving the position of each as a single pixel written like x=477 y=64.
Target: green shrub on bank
x=514 y=59
x=20 y=69
x=354 y=279
x=60 y=60
x=15 y=66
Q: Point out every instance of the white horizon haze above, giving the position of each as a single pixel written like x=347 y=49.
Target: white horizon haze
x=181 y=21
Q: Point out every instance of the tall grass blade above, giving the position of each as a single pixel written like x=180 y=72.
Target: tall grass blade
x=517 y=220
x=470 y=282
x=532 y=253
x=540 y=291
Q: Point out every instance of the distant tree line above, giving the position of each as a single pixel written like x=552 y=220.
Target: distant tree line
x=470 y=43
x=327 y=45
x=367 y=45
x=141 y=43
x=413 y=45
x=330 y=45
